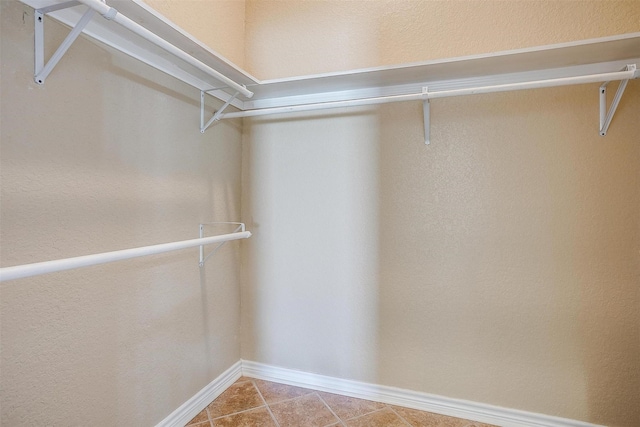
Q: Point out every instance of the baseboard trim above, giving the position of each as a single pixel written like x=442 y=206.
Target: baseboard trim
x=201 y=399
x=474 y=411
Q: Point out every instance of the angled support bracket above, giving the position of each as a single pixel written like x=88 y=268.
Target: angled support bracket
x=426 y=112
x=203 y=258
x=607 y=116
x=43 y=70
x=216 y=115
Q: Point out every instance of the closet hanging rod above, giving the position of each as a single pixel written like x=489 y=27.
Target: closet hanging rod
x=112 y=14
x=28 y=270
x=425 y=94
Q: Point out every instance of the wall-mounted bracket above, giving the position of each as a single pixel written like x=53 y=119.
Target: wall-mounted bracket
x=426 y=112
x=43 y=70
x=607 y=116
x=217 y=115
x=240 y=228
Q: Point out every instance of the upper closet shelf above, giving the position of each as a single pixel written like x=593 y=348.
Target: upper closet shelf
x=135 y=29
x=143 y=33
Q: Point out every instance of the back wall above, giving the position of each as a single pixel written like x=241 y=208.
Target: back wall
x=500 y=264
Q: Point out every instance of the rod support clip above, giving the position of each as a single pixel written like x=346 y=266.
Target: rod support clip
x=111 y=14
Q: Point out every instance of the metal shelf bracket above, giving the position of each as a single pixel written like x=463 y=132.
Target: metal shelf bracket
x=607 y=116
x=240 y=228
x=217 y=115
x=426 y=112
x=42 y=70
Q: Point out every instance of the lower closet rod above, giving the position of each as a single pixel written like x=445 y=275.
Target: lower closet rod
x=28 y=270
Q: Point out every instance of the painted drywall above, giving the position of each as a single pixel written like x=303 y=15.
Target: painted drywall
x=108 y=155
x=218 y=24
x=500 y=264
x=289 y=37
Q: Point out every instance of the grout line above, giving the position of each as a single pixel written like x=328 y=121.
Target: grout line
x=384 y=405
x=289 y=399
x=273 y=417
x=327 y=405
x=206 y=409
x=211 y=419
x=400 y=416
x=236 y=413
x=244 y=410
x=364 y=415
x=209 y=414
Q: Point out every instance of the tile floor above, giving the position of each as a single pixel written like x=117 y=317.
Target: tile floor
x=250 y=402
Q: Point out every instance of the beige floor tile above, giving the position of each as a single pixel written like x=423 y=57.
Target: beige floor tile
x=383 y=418
x=201 y=417
x=307 y=411
x=254 y=418
x=348 y=407
x=275 y=392
x=427 y=419
x=238 y=397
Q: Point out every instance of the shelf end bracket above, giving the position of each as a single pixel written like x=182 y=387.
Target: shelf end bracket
x=203 y=258
x=607 y=116
x=426 y=111
x=42 y=70
x=217 y=115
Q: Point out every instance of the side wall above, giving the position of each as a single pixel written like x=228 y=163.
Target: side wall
x=107 y=155
x=500 y=264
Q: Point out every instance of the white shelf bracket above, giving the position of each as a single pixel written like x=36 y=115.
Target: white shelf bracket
x=426 y=111
x=42 y=70
x=240 y=228
x=607 y=116
x=217 y=115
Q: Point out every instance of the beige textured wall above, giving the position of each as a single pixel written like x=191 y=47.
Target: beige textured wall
x=500 y=264
x=218 y=24
x=289 y=37
x=107 y=155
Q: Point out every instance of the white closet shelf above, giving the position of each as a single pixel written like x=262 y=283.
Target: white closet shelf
x=603 y=59
x=122 y=39
x=545 y=62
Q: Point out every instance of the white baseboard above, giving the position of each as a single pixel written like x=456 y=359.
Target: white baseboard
x=412 y=399
x=481 y=412
x=197 y=403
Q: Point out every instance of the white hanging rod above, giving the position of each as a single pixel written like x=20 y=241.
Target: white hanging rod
x=28 y=270
x=112 y=14
x=425 y=94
